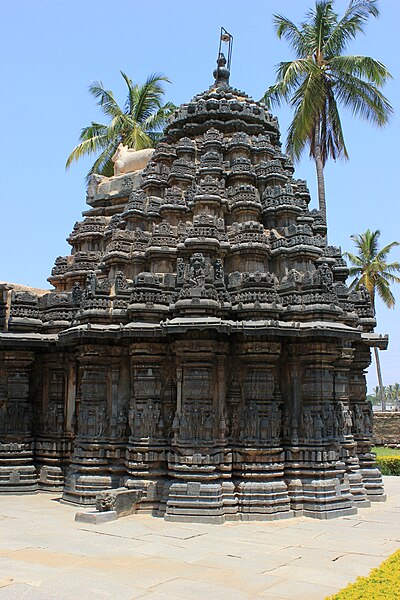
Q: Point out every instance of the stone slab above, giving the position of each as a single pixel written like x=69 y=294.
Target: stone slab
x=120 y=500
x=96 y=517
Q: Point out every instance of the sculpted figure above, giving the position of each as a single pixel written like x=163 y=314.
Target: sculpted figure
x=51 y=423
x=121 y=423
x=276 y=422
x=91 y=282
x=180 y=270
x=131 y=420
x=150 y=417
x=93 y=185
x=218 y=270
x=340 y=414
x=252 y=419
x=358 y=418
x=60 y=419
x=76 y=293
x=235 y=424
x=318 y=427
x=197 y=270
x=263 y=428
x=105 y=502
x=348 y=422
x=307 y=424
x=127 y=160
x=184 y=426
x=367 y=423
x=328 y=420
x=101 y=420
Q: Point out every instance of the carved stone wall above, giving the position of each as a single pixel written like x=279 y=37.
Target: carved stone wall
x=387 y=428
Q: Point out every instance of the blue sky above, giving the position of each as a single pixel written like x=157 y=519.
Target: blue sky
x=50 y=52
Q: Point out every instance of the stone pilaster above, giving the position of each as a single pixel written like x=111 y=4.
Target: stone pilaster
x=255 y=434
x=346 y=394
x=101 y=420
x=53 y=419
x=362 y=426
x=199 y=462
x=17 y=469
x=317 y=480
x=152 y=406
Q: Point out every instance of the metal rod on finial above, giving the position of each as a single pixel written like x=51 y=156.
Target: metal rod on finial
x=226 y=38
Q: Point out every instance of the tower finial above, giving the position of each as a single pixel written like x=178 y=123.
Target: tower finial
x=222 y=71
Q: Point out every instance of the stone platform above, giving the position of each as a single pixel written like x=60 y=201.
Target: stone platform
x=45 y=555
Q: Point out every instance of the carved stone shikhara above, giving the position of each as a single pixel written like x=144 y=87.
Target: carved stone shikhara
x=201 y=345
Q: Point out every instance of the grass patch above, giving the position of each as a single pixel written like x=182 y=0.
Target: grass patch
x=381 y=451
x=383 y=583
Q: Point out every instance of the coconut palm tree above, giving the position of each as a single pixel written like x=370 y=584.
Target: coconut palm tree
x=371 y=269
x=321 y=78
x=138 y=125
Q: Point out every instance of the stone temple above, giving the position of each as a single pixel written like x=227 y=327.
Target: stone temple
x=201 y=344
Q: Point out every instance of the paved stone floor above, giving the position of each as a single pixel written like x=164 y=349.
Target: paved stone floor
x=45 y=555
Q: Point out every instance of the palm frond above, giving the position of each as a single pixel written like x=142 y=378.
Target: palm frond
x=273 y=96
x=286 y=28
x=382 y=254
x=352 y=23
x=385 y=293
x=320 y=23
x=363 y=67
x=129 y=103
x=331 y=139
x=138 y=139
x=106 y=99
x=103 y=165
x=90 y=145
x=156 y=121
x=388 y=274
x=148 y=97
x=354 y=259
x=308 y=102
x=289 y=76
x=362 y=98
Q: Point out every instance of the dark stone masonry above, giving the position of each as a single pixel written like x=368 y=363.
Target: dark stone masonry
x=201 y=345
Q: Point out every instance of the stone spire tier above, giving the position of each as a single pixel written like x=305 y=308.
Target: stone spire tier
x=200 y=344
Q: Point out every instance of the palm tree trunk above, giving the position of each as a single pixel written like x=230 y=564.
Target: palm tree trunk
x=379 y=373
x=319 y=166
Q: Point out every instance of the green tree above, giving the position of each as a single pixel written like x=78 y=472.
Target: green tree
x=138 y=125
x=396 y=390
x=321 y=78
x=389 y=393
x=371 y=269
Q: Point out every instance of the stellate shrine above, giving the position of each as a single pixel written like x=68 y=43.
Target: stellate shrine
x=201 y=344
